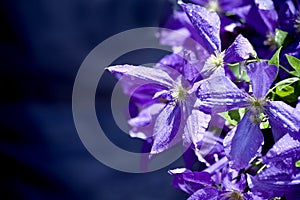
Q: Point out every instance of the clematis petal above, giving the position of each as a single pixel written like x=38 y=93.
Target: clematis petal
x=283 y=119
x=262 y=76
x=140 y=75
x=245 y=143
x=209 y=147
x=270 y=188
x=143 y=124
x=268 y=13
x=281 y=176
x=219 y=94
x=286 y=147
x=184 y=64
x=210 y=70
x=229 y=181
x=297 y=109
x=242 y=11
x=174 y=37
x=239 y=50
x=195 y=127
x=207 y=23
x=145 y=116
x=208 y=193
x=189 y=181
x=228 y=5
x=286 y=20
x=140 y=96
x=179 y=31
x=166 y=127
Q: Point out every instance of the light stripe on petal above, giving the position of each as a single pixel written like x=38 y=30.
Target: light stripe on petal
x=140 y=75
x=219 y=94
x=195 y=127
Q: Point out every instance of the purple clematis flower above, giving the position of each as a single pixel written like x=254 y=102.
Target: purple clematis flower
x=220 y=6
x=244 y=142
x=180 y=32
x=207 y=25
x=173 y=115
x=226 y=8
x=289 y=17
x=281 y=176
x=261 y=20
x=216 y=182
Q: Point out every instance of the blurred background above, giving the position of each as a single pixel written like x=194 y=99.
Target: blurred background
x=42 y=45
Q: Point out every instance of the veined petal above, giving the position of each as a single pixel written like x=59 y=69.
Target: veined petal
x=140 y=75
x=262 y=76
x=166 y=127
x=195 y=127
x=268 y=13
x=230 y=184
x=183 y=63
x=207 y=23
x=145 y=116
x=140 y=95
x=245 y=143
x=297 y=109
x=285 y=148
x=209 y=70
x=270 y=188
x=209 y=147
x=143 y=124
x=239 y=50
x=208 y=193
x=189 y=181
x=283 y=119
x=174 y=37
x=219 y=94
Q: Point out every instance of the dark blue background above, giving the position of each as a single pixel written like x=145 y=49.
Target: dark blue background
x=42 y=45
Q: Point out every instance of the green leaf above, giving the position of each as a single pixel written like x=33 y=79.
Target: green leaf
x=275 y=58
x=234 y=115
x=264 y=125
x=280 y=37
x=297 y=164
x=284 y=90
x=242 y=111
x=226 y=116
x=294 y=62
x=295 y=73
x=239 y=71
x=288 y=81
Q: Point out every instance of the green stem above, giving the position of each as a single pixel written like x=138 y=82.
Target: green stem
x=280 y=66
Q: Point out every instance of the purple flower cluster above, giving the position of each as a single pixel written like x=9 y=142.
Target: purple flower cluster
x=229 y=91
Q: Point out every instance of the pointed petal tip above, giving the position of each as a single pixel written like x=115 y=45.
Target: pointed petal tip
x=245 y=143
x=207 y=24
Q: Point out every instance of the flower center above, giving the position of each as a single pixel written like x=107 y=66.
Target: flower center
x=256 y=109
x=179 y=94
x=235 y=195
x=270 y=41
x=213 y=5
x=216 y=60
x=297 y=22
